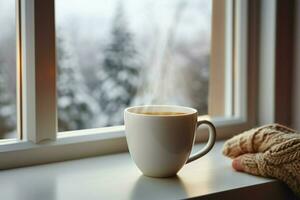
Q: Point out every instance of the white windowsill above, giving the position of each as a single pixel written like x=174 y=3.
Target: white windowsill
x=116 y=177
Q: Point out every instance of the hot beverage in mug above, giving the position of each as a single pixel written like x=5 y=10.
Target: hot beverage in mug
x=160 y=138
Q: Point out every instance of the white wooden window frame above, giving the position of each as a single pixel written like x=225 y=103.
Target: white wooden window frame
x=39 y=141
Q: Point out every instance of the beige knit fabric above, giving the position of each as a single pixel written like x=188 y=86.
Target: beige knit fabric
x=271 y=151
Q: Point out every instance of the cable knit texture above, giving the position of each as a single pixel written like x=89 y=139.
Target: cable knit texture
x=271 y=151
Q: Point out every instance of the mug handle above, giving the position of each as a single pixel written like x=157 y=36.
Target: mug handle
x=210 y=143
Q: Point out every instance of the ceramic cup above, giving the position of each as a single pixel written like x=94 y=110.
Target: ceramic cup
x=160 y=144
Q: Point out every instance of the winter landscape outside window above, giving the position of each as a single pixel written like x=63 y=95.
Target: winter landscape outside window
x=7 y=69
x=114 y=54
x=118 y=54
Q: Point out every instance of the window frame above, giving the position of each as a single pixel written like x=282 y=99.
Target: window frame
x=38 y=70
x=41 y=142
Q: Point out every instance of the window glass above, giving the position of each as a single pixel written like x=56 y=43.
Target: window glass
x=7 y=69
x=114 y=54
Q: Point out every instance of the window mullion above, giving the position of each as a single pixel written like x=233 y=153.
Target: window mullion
x=19 y=70
x=216 y=106
x=38 y=62
x=228 y=58
x=240 y=59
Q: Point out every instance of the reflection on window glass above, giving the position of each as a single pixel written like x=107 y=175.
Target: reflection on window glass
x=114 y=54
x=7 y=69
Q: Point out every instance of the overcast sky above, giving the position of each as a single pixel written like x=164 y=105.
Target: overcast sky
x=92 y=18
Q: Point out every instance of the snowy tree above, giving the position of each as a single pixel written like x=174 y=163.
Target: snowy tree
x=7 y=106
x=119 y=75
x=76 y=107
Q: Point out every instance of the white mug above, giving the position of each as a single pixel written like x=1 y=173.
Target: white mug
x=160 y=138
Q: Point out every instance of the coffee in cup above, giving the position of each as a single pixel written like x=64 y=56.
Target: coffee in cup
x=160 y=138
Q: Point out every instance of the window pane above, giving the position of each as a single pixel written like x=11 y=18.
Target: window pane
x=114 y=54
x=7 y=69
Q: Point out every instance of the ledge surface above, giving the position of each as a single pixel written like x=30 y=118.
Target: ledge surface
x=116 y=177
